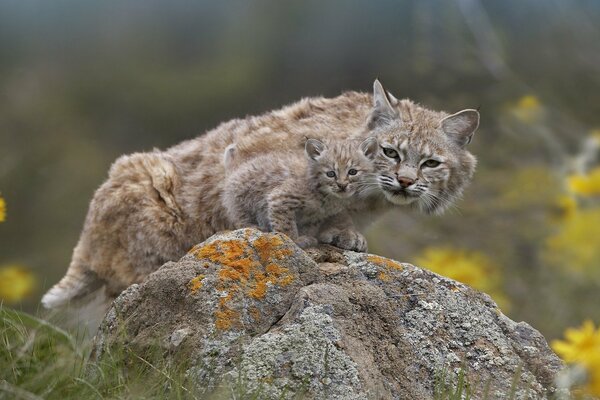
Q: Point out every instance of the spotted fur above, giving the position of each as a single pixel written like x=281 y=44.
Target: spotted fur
x=155 y=206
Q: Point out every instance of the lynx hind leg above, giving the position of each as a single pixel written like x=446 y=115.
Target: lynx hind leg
x=133 y=226
x=140 y=210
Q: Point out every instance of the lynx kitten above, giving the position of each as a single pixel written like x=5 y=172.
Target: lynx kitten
x=299 y=196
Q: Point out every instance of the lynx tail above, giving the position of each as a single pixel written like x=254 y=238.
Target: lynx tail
x=76 y=283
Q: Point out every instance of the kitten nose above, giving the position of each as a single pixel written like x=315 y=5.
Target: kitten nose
x=342 y=186
x=405 y=181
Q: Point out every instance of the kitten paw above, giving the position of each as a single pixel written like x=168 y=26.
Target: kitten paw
x=345 y=239
x=305 y=242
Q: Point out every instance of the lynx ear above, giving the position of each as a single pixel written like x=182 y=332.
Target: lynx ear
x=369 y=147
x=461 y=126
x=229 y=155
x=383 y=112
x=314 y=148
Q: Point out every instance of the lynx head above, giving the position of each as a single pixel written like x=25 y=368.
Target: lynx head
x=422 y=158
x=340 y=168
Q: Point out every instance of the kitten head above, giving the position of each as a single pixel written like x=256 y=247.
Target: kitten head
x=422 y=159
x=340 y=168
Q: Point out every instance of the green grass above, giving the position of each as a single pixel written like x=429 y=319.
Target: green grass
x=39 y=360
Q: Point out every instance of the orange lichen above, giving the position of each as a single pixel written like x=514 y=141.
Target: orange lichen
x=226 y=318
x=196 y=283
x=286 y=280
x=268 y=247
x=245 y=269
x=255 y=313
x=385 y=262
x=260 y=288
x=384 y=277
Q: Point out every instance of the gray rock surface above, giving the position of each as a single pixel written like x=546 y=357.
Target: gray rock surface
x=252 y=309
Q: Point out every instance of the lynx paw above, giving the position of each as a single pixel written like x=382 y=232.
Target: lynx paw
x=305 y=242
x=345 y=239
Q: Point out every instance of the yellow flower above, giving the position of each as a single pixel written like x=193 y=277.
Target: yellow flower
x=471 y=268
x=595 y=134
x=16 y=283
x=585 y=185
x=580 y=343
x=576 y=245
x=527 y=109
x=582 y=346
x=2 y=209
x=567 y=206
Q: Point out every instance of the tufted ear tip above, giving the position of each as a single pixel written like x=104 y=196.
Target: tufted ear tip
x=383 y=111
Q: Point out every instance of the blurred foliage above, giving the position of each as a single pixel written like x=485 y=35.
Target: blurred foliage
x=575 y=245
x=586 y=185
x=16 y=283
x=2 y=209
x=581 y=347
x=527 y=109
x=473 y=268
x=82 y=82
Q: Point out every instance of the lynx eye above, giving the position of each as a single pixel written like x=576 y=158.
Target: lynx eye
x=431 y=163
x=352 y=171
x=391 y=153
x=330 y=174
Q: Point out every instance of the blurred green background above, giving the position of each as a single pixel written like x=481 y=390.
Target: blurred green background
x=82 y=82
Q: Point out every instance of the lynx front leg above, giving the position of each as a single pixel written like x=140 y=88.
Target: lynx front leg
x=282 y=210
x=339 y=231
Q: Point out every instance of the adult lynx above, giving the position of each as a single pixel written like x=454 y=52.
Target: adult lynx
x=155 y=206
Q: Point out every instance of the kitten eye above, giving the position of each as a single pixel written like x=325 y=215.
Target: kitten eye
x=330 y=174
x=391 y=153
x=431 y=163
x=352 y=171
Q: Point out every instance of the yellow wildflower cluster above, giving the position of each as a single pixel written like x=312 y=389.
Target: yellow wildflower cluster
x=587 y=185
x=471 y=268
x=577 y=243
x=582 y=346
x=2 y=209
x=16 y=283
x=527 y=109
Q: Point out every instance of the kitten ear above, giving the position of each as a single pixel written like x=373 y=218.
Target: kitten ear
x=383 y=112
x=461 y=126
x=369 y=147
x=314 y=148
x=228 y=155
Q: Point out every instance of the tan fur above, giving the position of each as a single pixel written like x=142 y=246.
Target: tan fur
x=294 y=195
x=155 y=206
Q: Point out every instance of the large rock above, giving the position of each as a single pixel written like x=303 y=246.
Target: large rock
x=253 y=310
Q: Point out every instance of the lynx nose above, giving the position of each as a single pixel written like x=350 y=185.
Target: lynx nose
x=405 y=181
